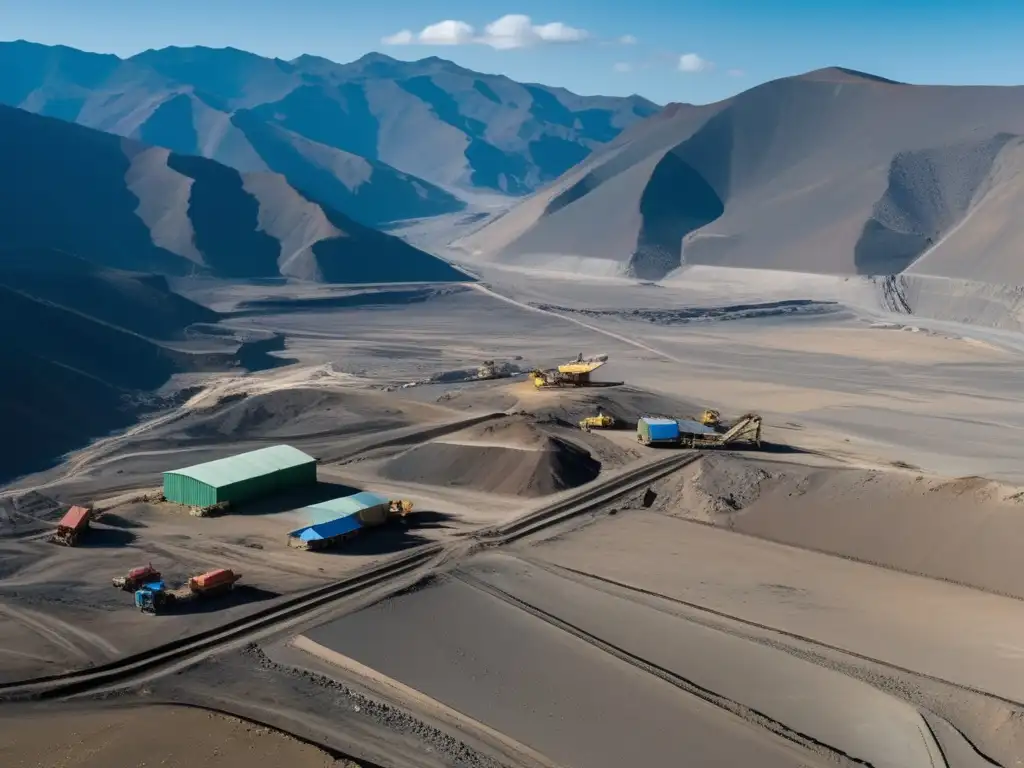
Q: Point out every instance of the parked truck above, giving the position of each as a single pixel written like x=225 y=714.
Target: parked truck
x=136 y=577
x=155 y=597
x=71 y=527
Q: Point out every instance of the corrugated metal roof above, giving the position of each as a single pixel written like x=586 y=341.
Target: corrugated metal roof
x=74 y=517
x=345 y=505
x=694 y=428
x=235 y=469
x=329 y=528
x=658 y=421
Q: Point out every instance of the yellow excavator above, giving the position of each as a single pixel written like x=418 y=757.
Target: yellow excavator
x=601 y=421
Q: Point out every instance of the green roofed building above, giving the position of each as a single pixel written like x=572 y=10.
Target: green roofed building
x=240 y=478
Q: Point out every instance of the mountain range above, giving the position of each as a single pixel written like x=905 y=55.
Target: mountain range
x=118 y=203
x=833 y=171
x=377 y=139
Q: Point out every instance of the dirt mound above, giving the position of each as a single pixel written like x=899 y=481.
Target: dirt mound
x=291 y=412
x=550 y=465
x=520 y=431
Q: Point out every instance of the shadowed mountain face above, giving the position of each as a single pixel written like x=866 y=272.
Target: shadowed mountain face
x=88 y=345
x=830 y=172
x=378 y=139
x=118 y=203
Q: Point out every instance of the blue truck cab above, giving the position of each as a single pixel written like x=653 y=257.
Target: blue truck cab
x=147 y=597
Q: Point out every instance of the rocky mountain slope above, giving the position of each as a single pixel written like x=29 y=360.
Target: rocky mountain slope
x=834 y=172
x=119 y=203
x=83 y=347
x=378 y=139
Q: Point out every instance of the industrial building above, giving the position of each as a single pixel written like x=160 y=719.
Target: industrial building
x=326 y=534
x=239 y=478
x=340 y=519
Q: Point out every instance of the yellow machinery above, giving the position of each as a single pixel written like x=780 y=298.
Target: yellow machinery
x=710 y=418
x=399 y=507
x=601 y=421
x=571 y=374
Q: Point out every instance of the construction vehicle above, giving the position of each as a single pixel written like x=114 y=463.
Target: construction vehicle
x=747 y=429
x=710 y=418
x=71 y=527
x=399 y=508
x=493 y=370
x=136 y=577
x=575 y=373
x=154 y=597
x=694 y=434
x=601 y=421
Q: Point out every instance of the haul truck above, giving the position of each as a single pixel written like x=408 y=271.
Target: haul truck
x=154 y=597
x=71 y=527
x=136 y=577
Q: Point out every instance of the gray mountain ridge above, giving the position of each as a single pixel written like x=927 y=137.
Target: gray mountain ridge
x=832 y=172
x=378 y=139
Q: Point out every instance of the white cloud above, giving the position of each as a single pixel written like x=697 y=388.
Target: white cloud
x=447 y=33
x=628 y=40
x=508 y=32
x=623 y=66
x=405 y=37
x=691 y=62
x=518 y=31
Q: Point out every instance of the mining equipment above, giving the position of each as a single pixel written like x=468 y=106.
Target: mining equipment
x=399 y=508
x=710 y=418
x=154 y=597
x=654 y=430
x=601 y=421
x=136 y=577
x=694 y=434
x=492 y=370
x=71 y=527
x=575 y=373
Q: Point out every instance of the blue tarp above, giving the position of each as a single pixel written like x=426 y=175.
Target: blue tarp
x=329 y=529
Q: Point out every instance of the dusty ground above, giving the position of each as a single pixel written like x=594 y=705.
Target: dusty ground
x=720 y=629
x=840 y=593
x=138 y=737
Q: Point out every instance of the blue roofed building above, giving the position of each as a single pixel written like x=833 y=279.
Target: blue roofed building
x=332 y=522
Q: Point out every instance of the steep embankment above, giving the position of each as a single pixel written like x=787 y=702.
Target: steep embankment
x=84 y=347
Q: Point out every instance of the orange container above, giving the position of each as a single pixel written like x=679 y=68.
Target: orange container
x=211 y=579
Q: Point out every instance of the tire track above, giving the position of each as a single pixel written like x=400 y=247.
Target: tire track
x=555 y=568
x=753 y=716
x=38 y=625
x=425 y=558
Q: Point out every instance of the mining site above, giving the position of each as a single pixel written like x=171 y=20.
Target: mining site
x=506 y=426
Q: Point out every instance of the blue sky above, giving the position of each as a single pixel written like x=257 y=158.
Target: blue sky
x=738 y=43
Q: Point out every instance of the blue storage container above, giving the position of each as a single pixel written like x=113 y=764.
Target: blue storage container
x=650 y=429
